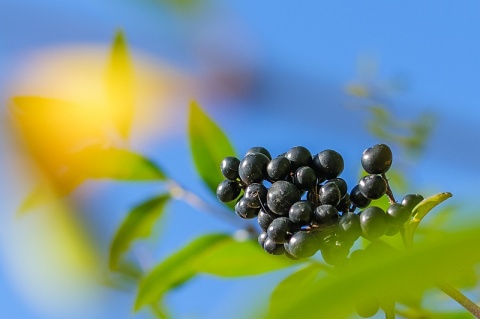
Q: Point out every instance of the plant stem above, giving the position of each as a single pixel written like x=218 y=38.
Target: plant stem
x=179 y=192
x=389 y=190
x=456 y=295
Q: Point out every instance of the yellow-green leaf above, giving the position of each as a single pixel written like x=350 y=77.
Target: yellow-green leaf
x=420 y=211
x=138 y=224
x=209 y=145
x=119 y=85
x=384 y=275
x=112 y=163
x=214 y=254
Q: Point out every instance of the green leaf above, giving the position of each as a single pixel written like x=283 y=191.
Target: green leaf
x=209 y=146
x=215 y=254
x=119 y=85
x=296 y=283
x=119 y=164
x=420 y=211
x=138 y=224
x=384 y=275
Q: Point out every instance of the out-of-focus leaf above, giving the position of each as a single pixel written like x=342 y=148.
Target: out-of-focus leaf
x=120 y=164
x=138 y=224
x=215 y=254
x=38 y=196
x=420 y=211
x=387 y=275
x=296 y=283
x=209 y=145
x=119 y=85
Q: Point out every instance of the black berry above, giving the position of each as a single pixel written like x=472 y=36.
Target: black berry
x=305 y=178
x=349 y=227
x=358 y=199
x=373 y=221
x=244 y=211
x=278 y=168
x=253 y=168
x=326 y=215
x=301 y=212
x=302 y=244
x=259 y=149
x=398 y=214
x=377 y=159
x=411 y=200
x=280 y=230
x=299 y=156
x=272 y=247
x=256 y=195
x=328 y=164
x=281 y=196
x=329 y=194
x=229 y=167
x=264 y=219
x=373 y=186
x=228 y=190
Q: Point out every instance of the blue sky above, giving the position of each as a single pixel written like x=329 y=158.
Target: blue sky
x=271 y=74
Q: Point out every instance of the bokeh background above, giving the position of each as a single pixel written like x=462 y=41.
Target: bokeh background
x=317 y=73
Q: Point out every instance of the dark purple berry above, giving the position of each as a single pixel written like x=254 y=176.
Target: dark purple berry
x=302 y=244
x=228 y=190
x=273 y=248
x=392 y=230
x=344 y=204
x=244 y=211
x=253 y=168
x=262 y=238
x=256 y=195
x=377 y=159
x=280 y=230
x=398 y=214
x=305 y=178
x=349 y=227
x=374 y=222
x=264 y=219
x=373 y=186
x=358 y=199
x=301 y=212
x=229 y=167
x=299 y=156
x=281 y=196
x=259 y=149
x=278 y=168
x=328 y=164
x=326 y=215
x=411 y=200
x=341 y=184
x=329 y=194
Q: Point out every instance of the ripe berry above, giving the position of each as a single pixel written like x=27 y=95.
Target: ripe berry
x=328 y=164
x=281 y=196
x=373 y=186
x=305 y=178
x=228 y=190
x=336 y=253
x=326 y=215
x=329 y=194
x=374 y=222
x=377 y=159
x=272 y=247
x=229 y=167
x=253 y=168
x=280 y=230
x=244 y=211
x=262 y=238
x=392 y=230
x=411 y=200
x=299 y=156
x=349 y=227
x=398 y=214
x=302 y=244
x=341 y=184
x=301 y=212
x=358 y=199
x=255 y=194
x=264 y=219
x=278 y=168
x=259 y=149
x=344 y=204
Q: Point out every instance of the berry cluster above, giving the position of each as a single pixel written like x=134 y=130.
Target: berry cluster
x=307 y=206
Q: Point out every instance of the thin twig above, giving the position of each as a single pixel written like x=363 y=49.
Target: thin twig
x=391 y=198
x=456 y=295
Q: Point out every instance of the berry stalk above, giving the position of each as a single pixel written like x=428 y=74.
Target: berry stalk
x=456 y=295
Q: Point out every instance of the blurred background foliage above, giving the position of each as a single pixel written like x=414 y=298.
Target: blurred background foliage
x=104 y=202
